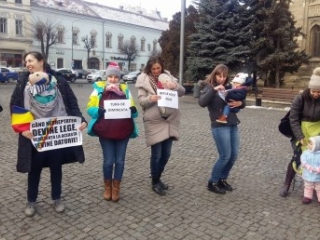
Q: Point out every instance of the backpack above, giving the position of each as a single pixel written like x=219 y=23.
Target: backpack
x=115 y=129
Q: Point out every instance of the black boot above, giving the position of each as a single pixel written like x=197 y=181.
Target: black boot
x=226 y=186
x=284 y=191
x=214 y=187
x=156 y=186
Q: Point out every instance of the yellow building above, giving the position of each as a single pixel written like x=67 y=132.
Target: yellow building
x=15 y=35
x=307 y=16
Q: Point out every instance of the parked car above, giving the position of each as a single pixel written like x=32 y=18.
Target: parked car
x=8 y=75
x=131 y=76
x=67 y=74
x=97 y=75
x=81 y=73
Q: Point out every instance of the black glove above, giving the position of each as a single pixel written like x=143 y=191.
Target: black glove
x=133 y=109
x=1 y=108
x=101 y=111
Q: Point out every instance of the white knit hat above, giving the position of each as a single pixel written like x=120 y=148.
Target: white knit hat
x=314 y=82
x=315 y=144
x=240 y=78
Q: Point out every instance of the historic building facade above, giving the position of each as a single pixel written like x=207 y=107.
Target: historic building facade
x=307 y=15
x=15 y=36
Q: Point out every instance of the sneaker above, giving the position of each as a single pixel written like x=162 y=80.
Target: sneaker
x=306 y=200
x=30 y=209
x=222 y=119
x=223 y=184
x=214 y=187
x=58 y=206
x=157 y=188
x=163 y=185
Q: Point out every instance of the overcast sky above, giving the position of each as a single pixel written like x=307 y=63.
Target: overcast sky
x=166 y=7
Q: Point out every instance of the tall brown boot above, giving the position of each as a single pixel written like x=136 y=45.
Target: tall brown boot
x=107 y=195
x=284 y=191
x=116 y=190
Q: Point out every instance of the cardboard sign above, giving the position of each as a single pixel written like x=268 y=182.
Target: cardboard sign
x=169 y=98
x=56 y=132
x=117 y=109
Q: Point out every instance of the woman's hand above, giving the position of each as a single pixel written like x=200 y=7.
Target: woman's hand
x=83 y=126
x=155 y=98
x=303 y=142
x=27 y=134
x=219 y=88
x=234 y=104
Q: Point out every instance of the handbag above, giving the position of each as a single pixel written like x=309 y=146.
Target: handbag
x=285 y=127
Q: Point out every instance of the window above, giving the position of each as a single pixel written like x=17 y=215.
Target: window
x=108 y=40
x=18 y=27
x=133 y=40
x=3 y=25
x=120 y=41
x=149 y=47
x=60 y=36
x=93 y=40
x=60 y=63
x=154 y=45
x=74 y=38
x=18 y=1
x=315 y=41
x=143 y=44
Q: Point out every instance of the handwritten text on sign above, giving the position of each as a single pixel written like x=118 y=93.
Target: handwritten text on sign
x=56 y=132
x=117 y=109
x=168 y=98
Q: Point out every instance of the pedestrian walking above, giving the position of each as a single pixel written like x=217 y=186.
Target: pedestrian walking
x=114 y=134
x=161 y=127
x=305 y=123
x=50 y=99
x=226 y=136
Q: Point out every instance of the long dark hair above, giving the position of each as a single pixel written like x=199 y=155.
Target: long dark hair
x=153 y=60
x=219 y=69
x=37 y=55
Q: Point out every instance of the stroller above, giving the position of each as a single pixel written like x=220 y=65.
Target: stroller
x=291 y=169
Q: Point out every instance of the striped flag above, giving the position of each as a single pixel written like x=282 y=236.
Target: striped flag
x=21 y=119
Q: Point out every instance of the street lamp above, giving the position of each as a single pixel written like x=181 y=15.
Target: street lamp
x=183 y=10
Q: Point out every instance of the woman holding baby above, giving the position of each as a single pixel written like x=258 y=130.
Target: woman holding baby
x=48 y=96
x=161 y=123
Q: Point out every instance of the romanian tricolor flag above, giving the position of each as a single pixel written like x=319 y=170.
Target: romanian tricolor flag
x=21 y=119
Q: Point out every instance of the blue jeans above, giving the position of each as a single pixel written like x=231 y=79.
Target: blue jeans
x=52 y=159
x=227 y=142
x=114 y=154
x=160 y=154
x=227 y=109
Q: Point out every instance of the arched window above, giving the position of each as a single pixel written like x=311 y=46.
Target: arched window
x=120 y=41
x=315 y=41
x=143 y=44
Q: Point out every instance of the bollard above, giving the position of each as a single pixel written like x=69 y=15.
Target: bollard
x=258 y=101
x=196 y=90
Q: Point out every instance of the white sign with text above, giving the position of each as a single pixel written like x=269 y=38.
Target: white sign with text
x=56 y=132
x=117 y=109
x=169 y=98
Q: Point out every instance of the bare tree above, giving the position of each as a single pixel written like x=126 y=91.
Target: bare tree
x=130 y=50
x=89 y=43
x=46 y=33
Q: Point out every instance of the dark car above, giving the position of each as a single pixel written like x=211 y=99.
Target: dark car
x=131 y=76
x=8 y=75
x=67 y=74
x=80 y=73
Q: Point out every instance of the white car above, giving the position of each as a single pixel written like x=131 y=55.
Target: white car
x=97 y=75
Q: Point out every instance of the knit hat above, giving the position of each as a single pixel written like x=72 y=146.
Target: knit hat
x=240 y=78
x=314 y=82
x=315 y=144
x=113 y=69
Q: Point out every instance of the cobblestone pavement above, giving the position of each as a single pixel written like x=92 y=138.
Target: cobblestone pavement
x=188 y=211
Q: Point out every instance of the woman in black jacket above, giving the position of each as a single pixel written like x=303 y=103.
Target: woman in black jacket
x=29 y=159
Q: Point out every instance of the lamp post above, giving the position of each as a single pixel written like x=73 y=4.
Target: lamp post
x=183 y=10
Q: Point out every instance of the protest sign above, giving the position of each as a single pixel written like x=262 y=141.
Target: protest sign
x=117 y=109
x=56 y=132
x=169 y=98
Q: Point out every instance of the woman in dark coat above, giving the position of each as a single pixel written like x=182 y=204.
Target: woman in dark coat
x=63 y=103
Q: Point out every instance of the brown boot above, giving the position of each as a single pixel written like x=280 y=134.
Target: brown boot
x=222 y=119
x=107 y=195
x=116 y=190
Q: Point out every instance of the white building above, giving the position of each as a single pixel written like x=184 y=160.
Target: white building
x=109 y=27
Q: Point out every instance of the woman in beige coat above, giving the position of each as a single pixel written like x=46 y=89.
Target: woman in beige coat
x=161 y=128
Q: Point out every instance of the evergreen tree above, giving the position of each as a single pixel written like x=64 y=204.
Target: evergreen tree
x=222 y=37
x=274 y=46
x=170 y=39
